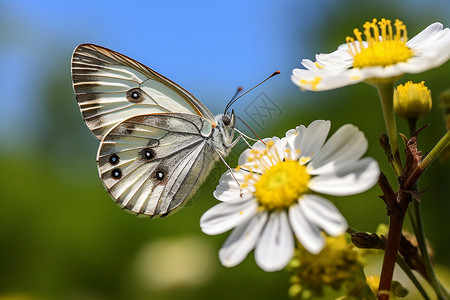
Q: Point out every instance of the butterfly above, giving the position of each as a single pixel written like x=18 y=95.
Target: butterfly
x=157 y=141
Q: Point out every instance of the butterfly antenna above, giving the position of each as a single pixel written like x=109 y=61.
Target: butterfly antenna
x=238 y=90
x=235 y=99
x=251 y=129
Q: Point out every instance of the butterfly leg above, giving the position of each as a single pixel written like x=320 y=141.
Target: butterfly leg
x=233 y=143
x=229 y=168
x=245 y=137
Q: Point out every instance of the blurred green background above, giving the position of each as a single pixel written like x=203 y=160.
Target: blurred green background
x=61 y=235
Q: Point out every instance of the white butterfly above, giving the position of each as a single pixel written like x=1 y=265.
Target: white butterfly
x=157 y=141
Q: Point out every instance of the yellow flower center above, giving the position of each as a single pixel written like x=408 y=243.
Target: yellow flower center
x=282 y=185
x=412 y=100
x=384 y=47
x=278 y=180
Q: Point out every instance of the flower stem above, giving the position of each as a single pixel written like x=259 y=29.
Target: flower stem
x=421 y=241
x=390 y=255
x=418 y=228
x=386 y=93
x=444 y=141
x=401 y=262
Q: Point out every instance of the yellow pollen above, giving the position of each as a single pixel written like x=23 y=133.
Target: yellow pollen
x=304 y=160
x=314 y=82
x=281 y=185
x=383 y=47
x=318 y=65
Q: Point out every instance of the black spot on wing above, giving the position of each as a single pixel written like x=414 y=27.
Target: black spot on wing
x=114 y=159
x=135 y=95
x=116 y=173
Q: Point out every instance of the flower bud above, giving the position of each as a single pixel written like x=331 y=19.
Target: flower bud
x=412 y=100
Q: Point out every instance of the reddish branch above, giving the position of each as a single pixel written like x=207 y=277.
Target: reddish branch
x=397 y=205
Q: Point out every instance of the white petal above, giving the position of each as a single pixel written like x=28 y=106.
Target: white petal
x=347 y=144
x=326 y=79
x=347 y=179
x=260 y=145
x=276 y=246
x=232 y=196
x=227 y=182
x=338 y=59
x=324 y=214
x=306 y=233
x=309 y=140
x=224 y=216
x=424 y=35
x=242 y=240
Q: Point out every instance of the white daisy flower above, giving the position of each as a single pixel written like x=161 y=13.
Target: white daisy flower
x=384 y=54
x=277 y=196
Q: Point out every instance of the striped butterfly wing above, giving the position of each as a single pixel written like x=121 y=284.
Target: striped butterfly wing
x=151 y=164
x=111 y=87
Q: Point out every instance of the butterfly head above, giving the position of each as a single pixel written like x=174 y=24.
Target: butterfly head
x=228 y=119
x=225 y=125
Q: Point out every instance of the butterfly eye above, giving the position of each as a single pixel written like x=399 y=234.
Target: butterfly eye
x=148 y=154
x=116 y=173
x=114 y=159
x=160 y=175
x=226 y=120
x=135 y=95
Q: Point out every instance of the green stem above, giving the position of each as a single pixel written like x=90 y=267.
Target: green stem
x=424 y=251
x=419 y=232
x=386 y=93
x=443 y=142
x=401 y=262
x=412 y=126
x=412 y=220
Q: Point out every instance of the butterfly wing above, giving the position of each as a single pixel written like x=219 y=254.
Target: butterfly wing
x=151 y=163
x=111 y=87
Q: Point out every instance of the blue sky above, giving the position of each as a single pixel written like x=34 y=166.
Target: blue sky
x=208 y=47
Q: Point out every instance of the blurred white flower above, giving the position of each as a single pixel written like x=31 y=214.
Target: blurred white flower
x=279 y=181
x=385 y=54
x=173 y=262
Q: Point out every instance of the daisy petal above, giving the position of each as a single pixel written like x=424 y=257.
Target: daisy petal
x=310 y=139
x=224 y=216
x=260 y=146
x=307 y=234
x=242 y=240
x=424 y=35
x=231 y=196
x=326 y=79
x=345 y=145
x=349 y=179
x=276 y=246
x=324 y=214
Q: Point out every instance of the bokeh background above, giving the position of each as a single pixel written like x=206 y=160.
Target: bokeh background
x=61 y=236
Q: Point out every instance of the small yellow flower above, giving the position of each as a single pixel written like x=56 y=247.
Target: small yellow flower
x=412 y=100
x=336 y=263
